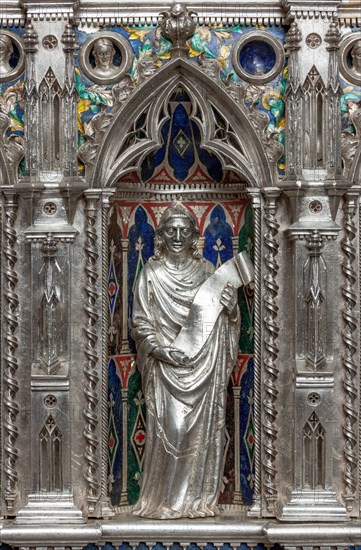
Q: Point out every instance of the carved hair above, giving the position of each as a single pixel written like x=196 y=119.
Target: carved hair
x=103 y=42
x=176 y=211
x=8 y=43
x=356 y=47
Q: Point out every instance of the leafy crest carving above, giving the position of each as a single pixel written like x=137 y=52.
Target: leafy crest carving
x=14 y=146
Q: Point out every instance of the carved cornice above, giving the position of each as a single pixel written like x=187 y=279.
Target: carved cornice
x=51 y=10
x=350 y=13
x=89 y=12
x=308 y=9
x=147 y=12
x=11 y=14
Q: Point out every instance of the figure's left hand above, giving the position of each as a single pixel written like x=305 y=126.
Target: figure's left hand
x=229 y=299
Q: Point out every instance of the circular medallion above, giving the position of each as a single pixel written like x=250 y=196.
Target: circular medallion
x=50 y=42
x=315 y=207
x=50 y=401
x=313 y=40
x=105 y=57
x=12 y=58
x=350 y=58
x=314 y=398
x=50 y=208
x=258 y=57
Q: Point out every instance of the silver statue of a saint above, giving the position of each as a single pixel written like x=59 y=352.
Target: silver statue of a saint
x=185 y=394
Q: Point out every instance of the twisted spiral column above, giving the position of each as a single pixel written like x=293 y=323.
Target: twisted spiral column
x=257 y=224
x=11 y=385
x=91 y=354
x=350 y=348
x=106 y=194
x=270 y=349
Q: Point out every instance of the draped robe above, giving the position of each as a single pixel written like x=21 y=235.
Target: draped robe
x=186 y=405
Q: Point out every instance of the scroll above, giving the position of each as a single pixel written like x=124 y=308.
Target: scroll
x=206 y=306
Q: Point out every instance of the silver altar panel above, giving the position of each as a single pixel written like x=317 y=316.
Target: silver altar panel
x=73 y=148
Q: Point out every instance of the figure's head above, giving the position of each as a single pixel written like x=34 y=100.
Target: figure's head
x=356 y=56
x=177 y=233
x=103 y=52
x=6 y=48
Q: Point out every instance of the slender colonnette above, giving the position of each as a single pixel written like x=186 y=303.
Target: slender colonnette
x=11 y=385
x=350 y=348
x=92 y=359
x=106 y=194
x=256 y=205
x=270 y=349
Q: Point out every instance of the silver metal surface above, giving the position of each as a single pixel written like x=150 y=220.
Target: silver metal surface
x=207 y=306
x=55 y=263
x=184 y=387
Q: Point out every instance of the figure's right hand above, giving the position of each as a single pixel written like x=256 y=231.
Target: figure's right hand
x=170 y=355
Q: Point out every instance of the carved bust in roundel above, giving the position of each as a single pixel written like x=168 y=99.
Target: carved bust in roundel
x=6 y=49
x=356 y=57
x=11 y=56
x=106 y=57
x=104 y=52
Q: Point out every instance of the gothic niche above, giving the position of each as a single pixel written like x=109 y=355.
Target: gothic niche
x=315 y=280
x=313 y=454
x=50 y=113
x=49 y=345
x=313 y=97
x=225 y=222
x=50 y=457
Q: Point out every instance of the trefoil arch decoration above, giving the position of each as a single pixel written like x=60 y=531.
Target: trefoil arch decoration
x=112 y=160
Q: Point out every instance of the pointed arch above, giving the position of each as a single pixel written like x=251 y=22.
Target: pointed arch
x=135 y=130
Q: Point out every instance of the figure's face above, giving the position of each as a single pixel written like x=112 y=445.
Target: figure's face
x=103 y=54
x=178 y=235
x=5 y=51
x=356 y=57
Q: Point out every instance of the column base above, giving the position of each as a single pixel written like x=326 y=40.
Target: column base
x=255 y=510
x=50 y=508
x=105 y=509
x=317 y=505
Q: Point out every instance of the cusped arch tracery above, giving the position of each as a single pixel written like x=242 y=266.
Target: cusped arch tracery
x=225 y=128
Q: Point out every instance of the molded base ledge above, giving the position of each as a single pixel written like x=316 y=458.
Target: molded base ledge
x=230 y=528
x=51 y=508
x=317 y=505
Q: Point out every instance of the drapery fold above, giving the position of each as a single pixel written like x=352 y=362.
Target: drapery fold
x=185 y=404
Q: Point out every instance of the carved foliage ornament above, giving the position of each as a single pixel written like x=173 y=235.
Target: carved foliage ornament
x=350 y=141
x=105 y=57
x=178 y=26
x=14 y=145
